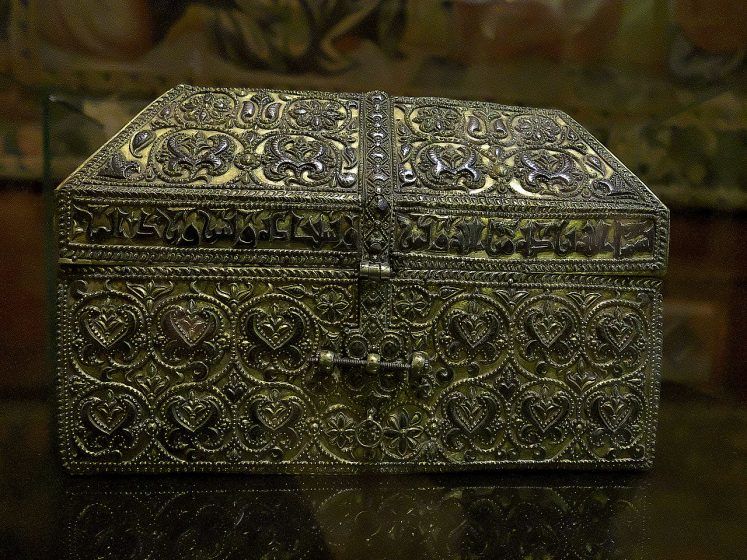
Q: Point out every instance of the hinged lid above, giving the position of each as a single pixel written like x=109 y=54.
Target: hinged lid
x=366 y=182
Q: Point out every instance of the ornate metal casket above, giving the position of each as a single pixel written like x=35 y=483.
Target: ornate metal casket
x=281 y=281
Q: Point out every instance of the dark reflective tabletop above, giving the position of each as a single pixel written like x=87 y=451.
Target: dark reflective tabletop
x=692 y=505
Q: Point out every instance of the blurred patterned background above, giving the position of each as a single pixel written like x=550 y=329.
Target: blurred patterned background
x=661 y=83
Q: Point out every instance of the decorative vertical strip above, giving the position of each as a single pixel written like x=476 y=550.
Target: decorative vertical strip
x=376 y=218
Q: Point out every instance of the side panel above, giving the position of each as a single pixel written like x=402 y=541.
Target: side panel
x=203 y=369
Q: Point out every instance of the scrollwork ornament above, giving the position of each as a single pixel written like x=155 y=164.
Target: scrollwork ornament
x=451 y=167
x=272 y=421
x=616 y=336
x=614 y=413
x=195 y=423
x=474 y=420
x=548 y=333
x=543 y=414
x=191 y=156
x=109 y=333
x=471 y=332
x=108 y=423
x=546 y=172
x=277 y=336
x=191 y=333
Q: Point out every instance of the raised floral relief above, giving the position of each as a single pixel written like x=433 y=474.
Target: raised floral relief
x=450 y=167
x=279 y=336
x=437 y=120
x=403 y=433
x=211 y=109
x=549 y=173
x=304 y=160
x=536 y=129
x=472 y=332
x=188 y=156
x=316 y=114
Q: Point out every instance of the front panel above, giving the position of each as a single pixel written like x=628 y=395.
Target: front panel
x=201 y=369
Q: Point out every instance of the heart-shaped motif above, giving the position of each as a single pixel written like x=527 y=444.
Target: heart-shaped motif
x=276 y=412
x=546 y=411
x=192 y=325
x=548 y=327
x=193 y=413
x=276 y=329
x=472 y=413
x=474 y=330
x=619 y=332
x=109 y=324
x=110 y=414
x=615 y=410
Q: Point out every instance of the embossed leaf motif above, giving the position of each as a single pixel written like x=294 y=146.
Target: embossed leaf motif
x=546 y=411
x=277 y=328
x=276 y=412
x=616 y=410
x=306 y=160
x=109 y=324
x=472 y=413
x=549 y=173
x=472 y=327
x=110 y=413
x=193 y=413
x=316 y=115
x=191 y=324
x=141 y=140
x=619 y=329
x=549 y=325
x=451 y=167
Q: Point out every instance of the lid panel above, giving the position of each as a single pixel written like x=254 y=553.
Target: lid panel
x=359 y=180
x=273 y=141
x=487 y=186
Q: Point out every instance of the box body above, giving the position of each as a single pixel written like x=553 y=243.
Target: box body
x=262 y=281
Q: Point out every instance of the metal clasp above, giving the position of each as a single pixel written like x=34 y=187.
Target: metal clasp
x=375 y=270
x=418 y=362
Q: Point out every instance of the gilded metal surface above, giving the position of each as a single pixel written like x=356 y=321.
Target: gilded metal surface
x=307 y=282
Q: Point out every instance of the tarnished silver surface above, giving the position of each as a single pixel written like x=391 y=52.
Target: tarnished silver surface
x=308 y=282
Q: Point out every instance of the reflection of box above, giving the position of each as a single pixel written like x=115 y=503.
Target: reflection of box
x=410 y=518
x=289 y=281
